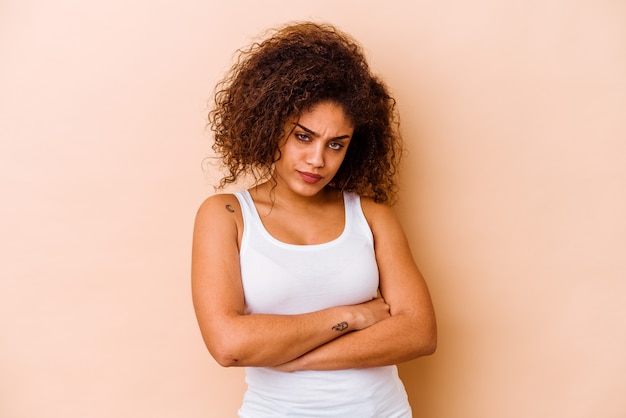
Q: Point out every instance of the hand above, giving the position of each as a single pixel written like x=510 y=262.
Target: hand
x=369 y=313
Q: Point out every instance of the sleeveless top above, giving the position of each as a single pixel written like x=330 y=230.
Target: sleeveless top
x=289 y=279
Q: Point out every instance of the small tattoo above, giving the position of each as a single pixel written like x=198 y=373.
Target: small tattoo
x=341 y=326
x=230 y=209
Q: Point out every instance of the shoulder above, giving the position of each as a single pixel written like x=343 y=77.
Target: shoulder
x=219 y=200
x=220 y=212
x=376 y=213
x=218 y=205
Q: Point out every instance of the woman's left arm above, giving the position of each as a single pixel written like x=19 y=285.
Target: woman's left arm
x=409 y=332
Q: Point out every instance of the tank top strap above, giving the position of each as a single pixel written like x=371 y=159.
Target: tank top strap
x=247 y=205
x=251 y=221
x=355 y=217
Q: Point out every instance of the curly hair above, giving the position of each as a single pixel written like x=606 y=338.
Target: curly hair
x=297 y=67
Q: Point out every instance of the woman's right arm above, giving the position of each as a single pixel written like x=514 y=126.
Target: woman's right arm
x=235 y=338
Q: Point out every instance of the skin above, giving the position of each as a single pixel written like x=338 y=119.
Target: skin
x=298 y=207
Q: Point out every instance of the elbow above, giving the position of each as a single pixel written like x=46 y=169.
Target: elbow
x=422 y=341
x=225 y=360
x=430 y=346
x=429 y=342
x=423 y=347
x=226 y=355
x=429 y=337
x=425 y=344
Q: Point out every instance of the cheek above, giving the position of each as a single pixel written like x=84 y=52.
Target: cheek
x=337 y=160
x=289 y=155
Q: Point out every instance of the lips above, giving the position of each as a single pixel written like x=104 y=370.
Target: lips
x=310 y=177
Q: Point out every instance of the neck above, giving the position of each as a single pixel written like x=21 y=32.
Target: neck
x=273 y=194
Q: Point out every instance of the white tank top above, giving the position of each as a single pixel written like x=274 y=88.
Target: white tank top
x=281 y=278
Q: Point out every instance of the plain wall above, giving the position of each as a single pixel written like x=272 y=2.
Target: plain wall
x=513 y=199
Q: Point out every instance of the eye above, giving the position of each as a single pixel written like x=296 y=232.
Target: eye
x=335 y=146
x=302 y=137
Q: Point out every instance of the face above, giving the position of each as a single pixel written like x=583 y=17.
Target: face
x=314 y=149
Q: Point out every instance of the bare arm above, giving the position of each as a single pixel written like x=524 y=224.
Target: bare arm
x=409 y=332
x=236 y=338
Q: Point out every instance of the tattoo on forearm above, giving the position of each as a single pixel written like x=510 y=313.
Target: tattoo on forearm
x=230 y=209
x=341 y=326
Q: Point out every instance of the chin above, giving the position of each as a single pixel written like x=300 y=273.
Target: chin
x=308 y=190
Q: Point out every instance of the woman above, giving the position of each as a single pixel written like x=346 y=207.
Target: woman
x=306 y=278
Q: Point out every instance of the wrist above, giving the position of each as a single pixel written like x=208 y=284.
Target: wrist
x=350 y=319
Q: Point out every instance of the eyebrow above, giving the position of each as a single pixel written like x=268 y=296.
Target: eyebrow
x=337 y=138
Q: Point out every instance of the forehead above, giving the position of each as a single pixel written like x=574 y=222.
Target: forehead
x=326 y=116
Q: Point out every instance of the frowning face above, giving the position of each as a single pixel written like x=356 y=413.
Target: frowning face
x=315 y=148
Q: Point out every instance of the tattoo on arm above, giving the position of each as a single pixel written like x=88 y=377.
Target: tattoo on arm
x=230 y=209
x=341 y=326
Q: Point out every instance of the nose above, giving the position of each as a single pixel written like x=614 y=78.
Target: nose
x=315 y=157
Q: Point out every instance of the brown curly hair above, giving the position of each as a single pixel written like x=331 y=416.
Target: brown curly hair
x=297 y=67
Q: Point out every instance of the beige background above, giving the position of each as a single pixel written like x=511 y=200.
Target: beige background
x=513 y=197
